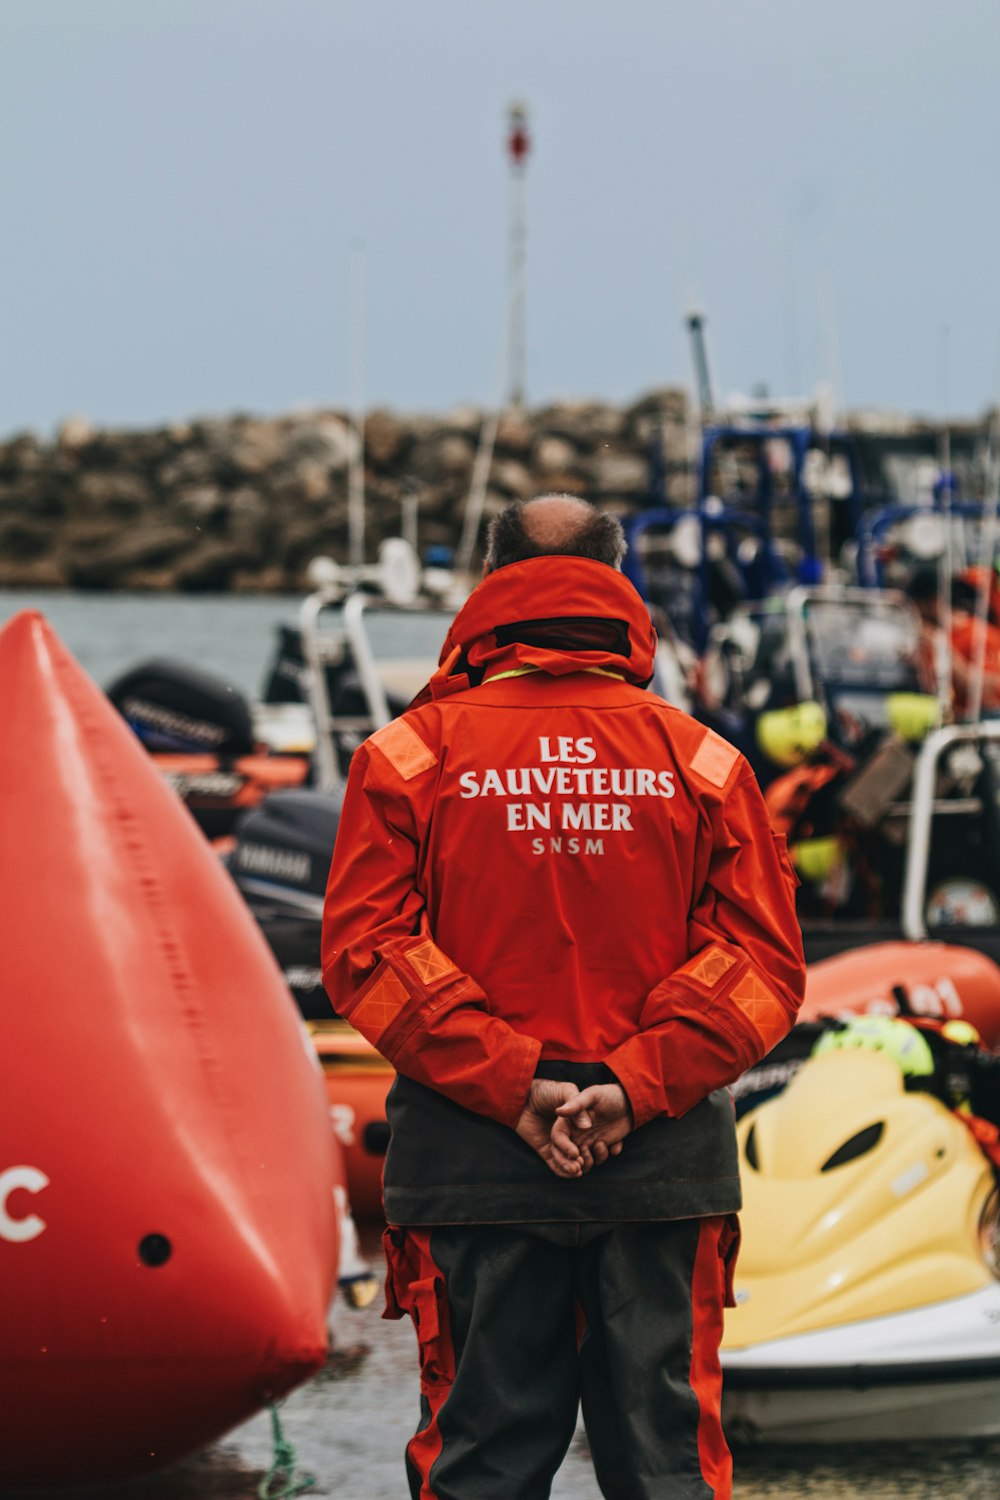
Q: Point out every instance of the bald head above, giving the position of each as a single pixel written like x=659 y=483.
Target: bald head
x=553 y=526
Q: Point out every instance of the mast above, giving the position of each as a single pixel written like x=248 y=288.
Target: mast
x=356 y=471
x=518 y=146
x=696 y=330
x=512 y=361
x=946 y=565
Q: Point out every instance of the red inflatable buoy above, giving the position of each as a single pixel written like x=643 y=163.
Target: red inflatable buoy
x=168 y=1230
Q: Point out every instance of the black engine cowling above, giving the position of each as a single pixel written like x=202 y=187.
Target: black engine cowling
x=178 y=709
x=280 y=863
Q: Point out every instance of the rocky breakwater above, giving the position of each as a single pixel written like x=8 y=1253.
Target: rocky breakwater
x=244 y=503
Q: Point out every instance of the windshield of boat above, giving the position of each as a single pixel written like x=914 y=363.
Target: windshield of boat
x=871 y=643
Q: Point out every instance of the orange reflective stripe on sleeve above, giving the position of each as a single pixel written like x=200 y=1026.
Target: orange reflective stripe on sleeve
x=403 y=749
x=708 y=966
x=429 y=962
x=762 y=1009
x=380 y=1006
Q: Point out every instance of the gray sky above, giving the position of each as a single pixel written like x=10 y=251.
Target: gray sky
x=187 y=184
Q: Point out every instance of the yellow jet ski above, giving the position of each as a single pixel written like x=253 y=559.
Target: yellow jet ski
x=867 y=1291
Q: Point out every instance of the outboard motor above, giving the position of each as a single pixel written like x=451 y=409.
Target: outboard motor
x=286 y=679
x=199 y=729
x=177 y=709
x=280 y=862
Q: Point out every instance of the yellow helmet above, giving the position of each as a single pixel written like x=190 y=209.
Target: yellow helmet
x=895 y=1037
x=815 y=858
x=788 y=735
x=912 y=715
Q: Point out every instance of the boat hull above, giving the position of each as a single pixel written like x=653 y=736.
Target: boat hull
x=952 y=1408
x=933 y=1373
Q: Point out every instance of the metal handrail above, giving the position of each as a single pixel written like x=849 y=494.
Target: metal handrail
x=327 y=763
x=364 y=658
x=922 y=812
x=353 y=642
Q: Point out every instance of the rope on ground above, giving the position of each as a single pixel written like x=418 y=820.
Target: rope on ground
x=280 y=1483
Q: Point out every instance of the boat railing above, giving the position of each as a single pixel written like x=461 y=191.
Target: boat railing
x=335 y=625
x=925 y=806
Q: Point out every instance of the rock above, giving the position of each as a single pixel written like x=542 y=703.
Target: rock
x=617 y=473
x=385 y=440
x=191 y=466
x=103 y=566
x=209 y=567
x=554 y=455
x=21 y=454
x=149 y=581
x=327 y=441
x=200 y=504
x=306 y=482
x=249 y=524
x=255 y=448
x=22 y=539
x=243 y=501
x=26 y=496
x=33 y=573
x=443 y=457
x=515 y=434
x=270 y=579
x=116 y=494
x=583 y=423
x=465 y=420
x=562 y=482
x=75 y=432
x=304 y=540
x=512 y=478
x=660 y=416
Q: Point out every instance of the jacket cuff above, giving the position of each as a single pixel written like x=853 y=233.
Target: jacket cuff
x=643 y=1087
x=517 y=1094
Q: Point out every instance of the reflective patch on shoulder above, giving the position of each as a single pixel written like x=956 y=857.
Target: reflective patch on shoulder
x=714 y=758
x=403 y=749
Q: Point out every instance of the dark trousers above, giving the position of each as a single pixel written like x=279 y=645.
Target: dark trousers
x=517 y=1325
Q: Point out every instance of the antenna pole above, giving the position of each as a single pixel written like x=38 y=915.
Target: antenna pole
x=512 y=359
x=356 y=472
x=696 y=330
x=518 y=147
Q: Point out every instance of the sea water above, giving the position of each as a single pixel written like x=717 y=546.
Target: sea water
x=348 y=1425
x=231 y=636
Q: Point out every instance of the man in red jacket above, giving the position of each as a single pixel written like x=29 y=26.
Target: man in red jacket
x=557 y=906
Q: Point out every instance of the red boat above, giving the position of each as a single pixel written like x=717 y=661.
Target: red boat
x=168 y=1230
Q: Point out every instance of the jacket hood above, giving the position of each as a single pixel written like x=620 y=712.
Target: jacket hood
x=556 y=614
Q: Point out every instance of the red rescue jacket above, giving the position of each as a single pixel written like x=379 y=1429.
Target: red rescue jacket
x=558 y=867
